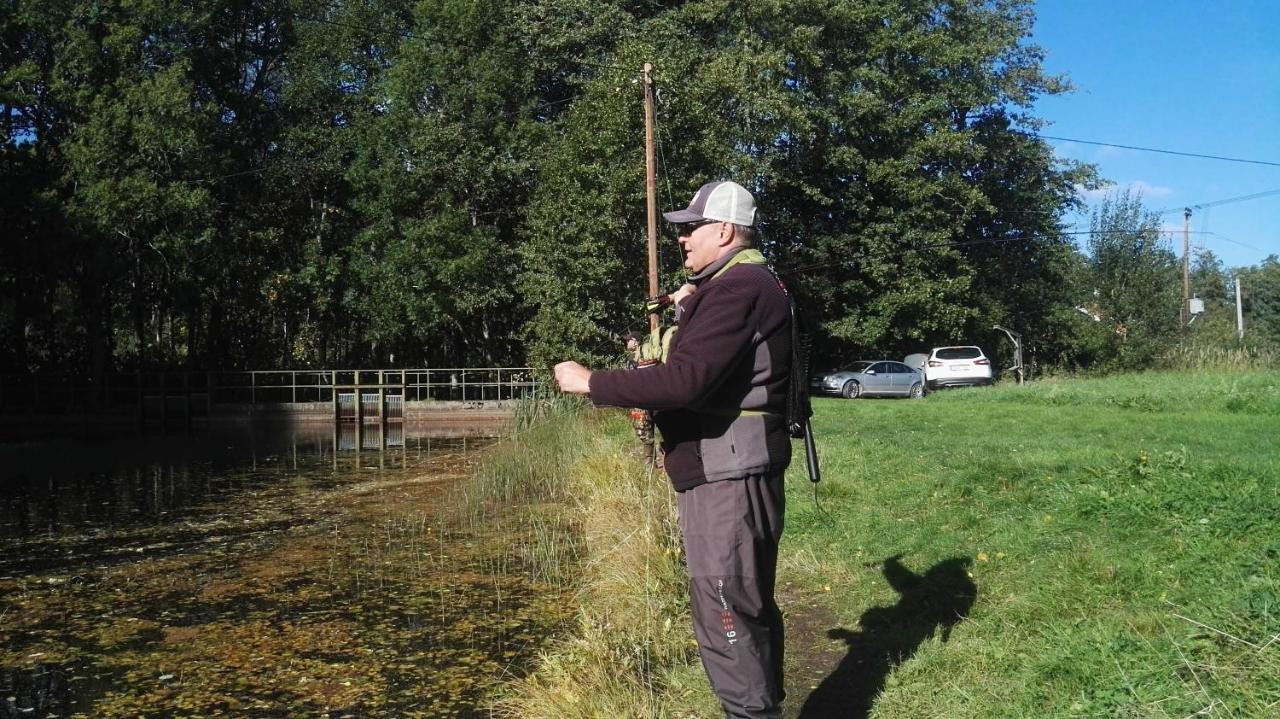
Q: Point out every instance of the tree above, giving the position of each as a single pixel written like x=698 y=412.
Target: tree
x=1260 y=295
x=262 y=183
x=886 y=143
x=1136 y=281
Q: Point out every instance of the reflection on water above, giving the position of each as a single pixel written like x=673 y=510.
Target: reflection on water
x=50 y=488
x=272 y=572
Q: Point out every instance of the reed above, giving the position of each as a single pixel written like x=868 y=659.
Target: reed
x=1219 y=357
x=595 y=514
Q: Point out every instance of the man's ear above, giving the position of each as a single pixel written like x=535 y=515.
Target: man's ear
x=728 y=233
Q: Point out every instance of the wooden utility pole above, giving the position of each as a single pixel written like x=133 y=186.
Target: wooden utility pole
x=1186 y=268
x=651 y=187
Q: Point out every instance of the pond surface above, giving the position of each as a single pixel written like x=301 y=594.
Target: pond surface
x=267 y=573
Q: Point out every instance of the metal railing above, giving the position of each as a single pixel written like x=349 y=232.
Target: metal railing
x=64 y=393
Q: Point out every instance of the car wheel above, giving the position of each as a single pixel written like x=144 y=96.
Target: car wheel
x=916 y=391
x=851 y=389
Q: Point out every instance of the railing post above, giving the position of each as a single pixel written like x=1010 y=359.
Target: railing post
x=293 y=382
x=359 y=401
x=359 y=414
x=382 y=398
x=253 y=388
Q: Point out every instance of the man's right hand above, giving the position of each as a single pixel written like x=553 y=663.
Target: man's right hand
x=573 y=378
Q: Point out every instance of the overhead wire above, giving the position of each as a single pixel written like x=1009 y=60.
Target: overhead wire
x=1223 y=237
x=1218 y=203
x=1180 y=153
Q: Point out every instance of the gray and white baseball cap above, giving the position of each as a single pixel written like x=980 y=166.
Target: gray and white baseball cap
x=724 y=201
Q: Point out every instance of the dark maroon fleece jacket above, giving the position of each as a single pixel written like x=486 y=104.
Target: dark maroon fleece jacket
x=732 y=353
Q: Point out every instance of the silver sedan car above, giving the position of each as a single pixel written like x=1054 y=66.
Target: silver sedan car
x=871 y=379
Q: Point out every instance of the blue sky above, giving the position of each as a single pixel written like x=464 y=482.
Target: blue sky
x=1191 y=76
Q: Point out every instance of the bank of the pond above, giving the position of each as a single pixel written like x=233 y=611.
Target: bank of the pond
x=1077 y=548
x=629 y=652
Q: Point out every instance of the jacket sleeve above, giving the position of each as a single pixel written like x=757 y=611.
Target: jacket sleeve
x=718 y=335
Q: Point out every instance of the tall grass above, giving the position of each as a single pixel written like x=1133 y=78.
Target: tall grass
x=1218 y=357
x=631 y=640
x=593 y=504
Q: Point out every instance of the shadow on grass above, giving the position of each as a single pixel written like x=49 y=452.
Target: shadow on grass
x=888 y=636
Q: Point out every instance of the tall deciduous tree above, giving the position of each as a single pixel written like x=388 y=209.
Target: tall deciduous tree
x=1260 y=291
x=886 y=143
x=1135 y=278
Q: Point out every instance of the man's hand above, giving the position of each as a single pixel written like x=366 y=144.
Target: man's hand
x=685 y=290
x=573 y=378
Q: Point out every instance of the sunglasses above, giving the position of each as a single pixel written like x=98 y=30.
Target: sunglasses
x=689 y=227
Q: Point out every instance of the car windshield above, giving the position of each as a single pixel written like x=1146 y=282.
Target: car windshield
x=859 y=366
x=956 y=353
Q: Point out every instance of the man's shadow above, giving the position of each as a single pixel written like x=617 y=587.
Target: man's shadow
x=888 y=636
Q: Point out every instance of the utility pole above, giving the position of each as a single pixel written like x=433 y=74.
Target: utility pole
x=1239 y=313
x=1186 y=268
x=651 y=187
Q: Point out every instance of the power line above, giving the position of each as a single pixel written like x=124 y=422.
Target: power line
x=1153 y=149
x=1215 y=203
x=1221 y=236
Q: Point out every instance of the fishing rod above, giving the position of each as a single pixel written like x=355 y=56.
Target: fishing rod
x=799 y=410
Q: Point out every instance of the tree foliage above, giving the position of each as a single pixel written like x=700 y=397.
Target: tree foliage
x=284 y=183
x=1260 y=298
x=1136 y=281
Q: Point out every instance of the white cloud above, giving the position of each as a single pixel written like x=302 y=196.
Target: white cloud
x=1147 y=190
x=1107 y=152
x=1066 y=149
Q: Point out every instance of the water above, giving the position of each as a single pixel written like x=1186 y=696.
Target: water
x=273 y=572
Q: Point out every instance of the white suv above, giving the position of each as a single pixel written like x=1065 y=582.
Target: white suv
x=953 y=366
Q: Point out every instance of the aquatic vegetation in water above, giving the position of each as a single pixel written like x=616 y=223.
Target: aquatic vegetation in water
x=306 y=598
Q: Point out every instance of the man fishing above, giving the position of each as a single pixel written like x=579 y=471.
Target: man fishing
x=720 y=401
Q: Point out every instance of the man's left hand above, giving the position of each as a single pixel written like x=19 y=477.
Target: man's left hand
x=573 y=378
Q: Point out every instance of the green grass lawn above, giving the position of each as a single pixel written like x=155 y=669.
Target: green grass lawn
x=1073 y=548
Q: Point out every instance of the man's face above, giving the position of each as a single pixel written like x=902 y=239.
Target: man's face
x=632 y=344
x=701 y=243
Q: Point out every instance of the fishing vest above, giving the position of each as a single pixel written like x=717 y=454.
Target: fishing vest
x=657 y=345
